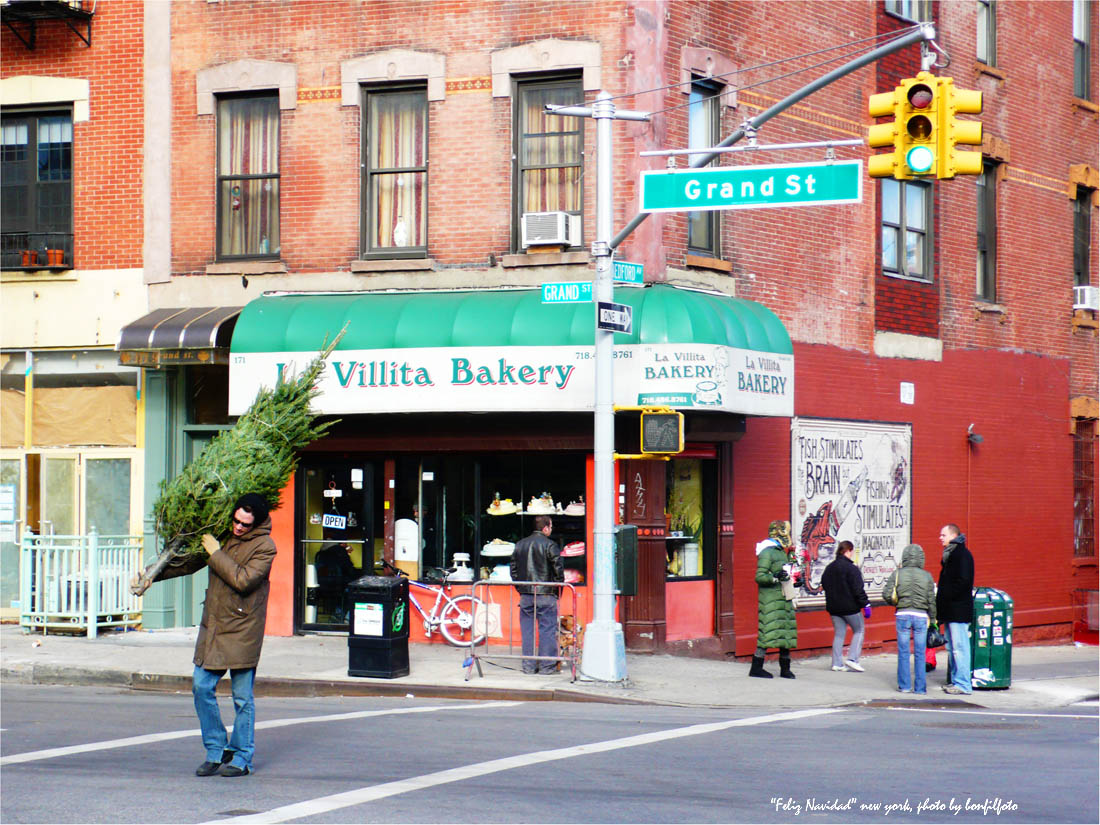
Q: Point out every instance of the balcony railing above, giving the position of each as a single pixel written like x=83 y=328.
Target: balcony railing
x=36 y=250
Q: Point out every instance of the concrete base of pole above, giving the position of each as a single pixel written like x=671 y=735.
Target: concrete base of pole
x=604 y=654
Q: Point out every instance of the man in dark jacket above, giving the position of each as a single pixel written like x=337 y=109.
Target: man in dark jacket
x=231 y=633
x=845 y=599
x=537 y=558
x=955 y=607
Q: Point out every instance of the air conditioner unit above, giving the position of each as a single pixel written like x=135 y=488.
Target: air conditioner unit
x=538 y=228
x=1086 y=297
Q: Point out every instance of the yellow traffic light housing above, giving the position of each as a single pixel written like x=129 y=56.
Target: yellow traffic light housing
x=919 y=125
x=662 y=431
x=884 y=134
x=953 y=131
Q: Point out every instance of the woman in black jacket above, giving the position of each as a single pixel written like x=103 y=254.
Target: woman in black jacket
x=845 y=598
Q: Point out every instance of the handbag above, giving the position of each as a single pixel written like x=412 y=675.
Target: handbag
x=935 y=638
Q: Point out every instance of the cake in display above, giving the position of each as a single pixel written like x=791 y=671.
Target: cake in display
x=574 y=548
x=575 y=508
x=542 y=506
x=505 y=507
x=498 y=547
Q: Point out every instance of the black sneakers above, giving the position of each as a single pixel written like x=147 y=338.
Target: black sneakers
x=211 y=768
x=233 y=770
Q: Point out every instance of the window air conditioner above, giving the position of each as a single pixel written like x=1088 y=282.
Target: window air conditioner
x=537 y=228
x=1086 y=297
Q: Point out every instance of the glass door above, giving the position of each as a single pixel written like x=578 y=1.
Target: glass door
x=11 y=518
x=340 y=538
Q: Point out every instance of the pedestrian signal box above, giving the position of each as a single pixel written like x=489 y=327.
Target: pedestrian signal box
x=662 y=432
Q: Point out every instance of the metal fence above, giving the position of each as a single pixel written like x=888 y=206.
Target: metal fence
x=78 y=582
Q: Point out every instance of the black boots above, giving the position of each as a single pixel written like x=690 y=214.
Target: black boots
x=758 y=668
x=785 y=664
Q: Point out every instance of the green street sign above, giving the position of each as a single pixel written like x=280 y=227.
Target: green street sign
x=567 y=292
x=627 y=272
x=752 y=187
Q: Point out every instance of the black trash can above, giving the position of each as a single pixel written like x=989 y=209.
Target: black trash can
x=378 y=632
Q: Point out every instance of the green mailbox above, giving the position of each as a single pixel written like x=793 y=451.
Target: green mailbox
x=991 y=640
x=626 y=559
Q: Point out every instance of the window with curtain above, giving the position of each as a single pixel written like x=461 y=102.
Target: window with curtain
x=248 y=176
x=1081 y=45
x=986 y=288
x=703 y=132
x=917 y=10
x=395 y=173
x=987 y=32
x=907 y=229
x=549 y=150
x=1082 y=231
x=36 y=172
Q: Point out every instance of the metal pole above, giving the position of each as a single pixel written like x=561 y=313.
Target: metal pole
x=604 y=655
x=927 y=31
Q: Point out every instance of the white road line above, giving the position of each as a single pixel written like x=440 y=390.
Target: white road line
x=999 y=713
x=52 y=753
x=324 y=804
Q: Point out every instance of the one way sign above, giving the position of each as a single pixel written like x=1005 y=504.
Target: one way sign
x=614 y=317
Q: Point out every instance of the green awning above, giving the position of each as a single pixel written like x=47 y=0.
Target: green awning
x=500 y=318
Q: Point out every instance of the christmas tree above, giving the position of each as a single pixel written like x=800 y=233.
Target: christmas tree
x=256 y=456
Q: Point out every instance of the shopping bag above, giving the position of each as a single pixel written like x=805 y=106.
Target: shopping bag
x=487 y=620
x=935 y=638
x=929 y=659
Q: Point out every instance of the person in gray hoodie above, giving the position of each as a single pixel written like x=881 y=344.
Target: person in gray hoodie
x=911 y=589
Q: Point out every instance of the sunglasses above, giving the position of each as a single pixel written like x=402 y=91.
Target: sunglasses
x=242 y=523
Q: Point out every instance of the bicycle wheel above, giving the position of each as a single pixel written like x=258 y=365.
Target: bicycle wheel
x=456 y=622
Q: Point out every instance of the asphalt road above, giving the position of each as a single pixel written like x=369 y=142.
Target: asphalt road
x=109 y=756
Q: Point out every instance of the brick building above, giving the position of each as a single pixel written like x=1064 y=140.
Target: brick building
x=71 y=88
x=373 y=163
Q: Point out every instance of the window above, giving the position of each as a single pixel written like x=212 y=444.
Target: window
x=987 y=32
x=1081 y=37
x=906 y=229
x=919 y=10
x=395 y=176
x=549 y=151
x=703 y=125
x=248 y=176
x=987 y=232
x=1082 y=230
x=36 y=168
x=1084 y=488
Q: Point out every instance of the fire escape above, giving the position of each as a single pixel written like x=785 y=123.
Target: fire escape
x=22 y=17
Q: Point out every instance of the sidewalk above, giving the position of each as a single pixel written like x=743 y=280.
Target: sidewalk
x=1043 y=677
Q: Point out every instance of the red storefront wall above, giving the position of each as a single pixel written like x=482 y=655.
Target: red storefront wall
x=1019 y=493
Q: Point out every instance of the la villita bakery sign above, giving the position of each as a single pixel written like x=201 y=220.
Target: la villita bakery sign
x=506 y=379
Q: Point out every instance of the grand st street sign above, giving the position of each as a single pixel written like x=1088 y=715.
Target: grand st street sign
x=752 y=187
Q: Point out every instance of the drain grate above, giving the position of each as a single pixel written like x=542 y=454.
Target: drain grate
x=237 y=812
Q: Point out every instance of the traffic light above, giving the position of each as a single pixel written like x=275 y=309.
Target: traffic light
x=662 y=432
x=918 y=126
x=925 y=130
x=953 y=131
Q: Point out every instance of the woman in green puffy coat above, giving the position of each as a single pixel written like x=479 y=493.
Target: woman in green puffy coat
x=777 y=627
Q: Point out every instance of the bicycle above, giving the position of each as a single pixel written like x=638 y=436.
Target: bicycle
x=453 y=617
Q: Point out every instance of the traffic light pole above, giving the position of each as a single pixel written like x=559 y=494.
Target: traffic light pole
x=604 y=653
x=926 y=32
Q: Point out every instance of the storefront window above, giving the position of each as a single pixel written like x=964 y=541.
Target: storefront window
x=690 y=518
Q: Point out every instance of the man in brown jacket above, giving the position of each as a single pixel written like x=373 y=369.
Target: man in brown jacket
x=231 y=634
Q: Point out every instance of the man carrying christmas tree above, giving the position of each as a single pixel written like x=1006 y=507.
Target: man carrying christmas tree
x=231 y=633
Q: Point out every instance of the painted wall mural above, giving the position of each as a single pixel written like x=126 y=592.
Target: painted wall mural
x=849 y=480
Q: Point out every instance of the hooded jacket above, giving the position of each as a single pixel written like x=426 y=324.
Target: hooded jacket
x=955 y=598
x=776 y=622
x=916 y=590
x=234 y=614
x=843 y=584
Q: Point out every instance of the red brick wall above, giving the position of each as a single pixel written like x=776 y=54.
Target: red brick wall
x=470 y=134
x=107 y=148
x=1019 y=495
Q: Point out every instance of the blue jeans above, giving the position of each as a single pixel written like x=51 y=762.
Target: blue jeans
x=541 y=611
x=917 y=626
x=958 y=659
x=243 y=741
